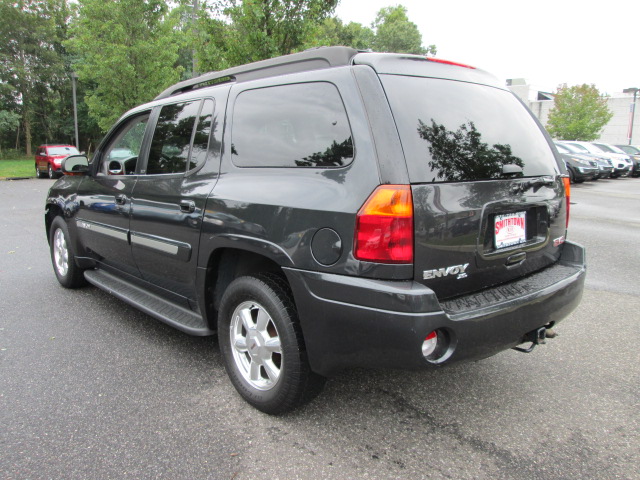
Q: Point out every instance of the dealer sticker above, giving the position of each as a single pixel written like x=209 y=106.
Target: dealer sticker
x=510 y=229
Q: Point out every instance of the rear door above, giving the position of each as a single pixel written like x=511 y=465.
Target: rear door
x=170 y=194
x=488 y=199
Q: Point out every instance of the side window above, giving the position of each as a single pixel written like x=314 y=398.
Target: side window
x=298 y=125
x=169 y=151
x=120 y=157
x=201 y=136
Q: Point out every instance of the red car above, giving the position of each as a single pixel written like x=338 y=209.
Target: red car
x=49 y=158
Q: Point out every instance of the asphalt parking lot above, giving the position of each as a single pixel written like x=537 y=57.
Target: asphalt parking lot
x=91 y=388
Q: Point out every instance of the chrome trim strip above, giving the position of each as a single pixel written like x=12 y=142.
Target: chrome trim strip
x=107 y=230
x=162 y=245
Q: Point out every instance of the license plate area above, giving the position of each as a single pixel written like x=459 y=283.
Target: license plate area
x=510 y=229
x=536 y=230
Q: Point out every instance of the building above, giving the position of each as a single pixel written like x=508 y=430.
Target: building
x=615 y=132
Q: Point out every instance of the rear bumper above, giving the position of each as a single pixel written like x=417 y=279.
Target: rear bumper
x=355 y=322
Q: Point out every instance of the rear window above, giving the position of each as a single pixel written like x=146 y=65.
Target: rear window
x=455 y=131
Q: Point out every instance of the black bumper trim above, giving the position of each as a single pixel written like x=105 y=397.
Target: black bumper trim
x=354 y=322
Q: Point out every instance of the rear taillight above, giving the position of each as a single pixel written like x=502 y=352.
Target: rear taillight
x=567 y=195
x=384 y=226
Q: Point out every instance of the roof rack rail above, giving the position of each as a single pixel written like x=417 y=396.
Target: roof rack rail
x=312 y=59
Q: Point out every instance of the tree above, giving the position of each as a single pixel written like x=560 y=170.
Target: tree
x=259 y=29
x=333 y=32
x=395 y=33
x=579 y=113
x=127 y=51
x=29 y=62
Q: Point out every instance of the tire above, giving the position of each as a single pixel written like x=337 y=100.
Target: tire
x=257 y=314
x=52 y=174
x=572 y=177
x=62 y=256
x=39 y=174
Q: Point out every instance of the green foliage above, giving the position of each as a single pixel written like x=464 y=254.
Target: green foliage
x=333 y=32
x=30 y=63
x=391 y=32
x=579 y=113
x=16 y=165
x=395 y=33
x=127 y=49
x=258 y=29
x=9 y=121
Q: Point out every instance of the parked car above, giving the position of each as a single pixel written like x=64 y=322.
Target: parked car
x=620 y=155
x=621 y=165
x=634 y=154
x=49 y=158
x=580 y=167
x=326 y=210
x=605 y=166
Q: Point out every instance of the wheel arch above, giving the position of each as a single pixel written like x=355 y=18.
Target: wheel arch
x=224 y=265
x=52 y=210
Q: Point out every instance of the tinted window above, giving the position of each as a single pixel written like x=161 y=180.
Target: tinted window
x=457 y=131
x=301 y=125
x=172 y=137
x=201 y=136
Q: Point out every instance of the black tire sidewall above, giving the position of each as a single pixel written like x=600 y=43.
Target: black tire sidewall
x=286 y=392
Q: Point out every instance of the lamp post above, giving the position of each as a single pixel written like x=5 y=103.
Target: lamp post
x=633 y=90
x=74 y=76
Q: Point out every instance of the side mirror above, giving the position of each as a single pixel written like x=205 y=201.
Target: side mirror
x=75 y=165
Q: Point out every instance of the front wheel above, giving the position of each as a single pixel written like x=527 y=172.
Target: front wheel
x=68 y=273
x=262 y=346
x=39 y=174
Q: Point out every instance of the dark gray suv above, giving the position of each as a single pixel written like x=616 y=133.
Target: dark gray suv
x=326 y=210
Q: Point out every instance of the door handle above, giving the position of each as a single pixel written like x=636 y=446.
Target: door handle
x=121 y=199
x=187 y=206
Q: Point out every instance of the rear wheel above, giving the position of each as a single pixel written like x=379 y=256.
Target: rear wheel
x=62 y=256
x=262 y=346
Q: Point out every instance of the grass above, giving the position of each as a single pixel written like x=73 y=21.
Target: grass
x=17 y=167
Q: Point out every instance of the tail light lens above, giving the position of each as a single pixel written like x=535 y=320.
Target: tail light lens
x=384 y=226
x=567 y=195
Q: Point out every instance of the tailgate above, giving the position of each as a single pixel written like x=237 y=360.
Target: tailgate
x=469 y=236
x=489 y=202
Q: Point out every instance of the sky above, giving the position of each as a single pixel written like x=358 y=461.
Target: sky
x=545 y=42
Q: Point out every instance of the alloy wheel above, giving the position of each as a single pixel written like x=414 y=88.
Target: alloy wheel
x=60 y=253
x=255 y=345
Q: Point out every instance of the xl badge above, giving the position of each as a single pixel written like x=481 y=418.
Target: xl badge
x=443 y=272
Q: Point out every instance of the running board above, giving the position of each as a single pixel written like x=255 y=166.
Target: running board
x=178 y=317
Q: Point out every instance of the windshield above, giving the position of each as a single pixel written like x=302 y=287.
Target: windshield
x=574 y=147
x=562 y=149
x=62 y=151
x=604 y=148
x=629 y=149
x=457 y=131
